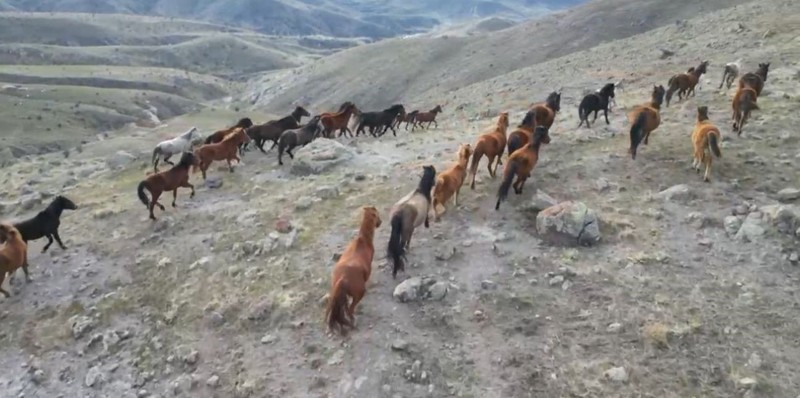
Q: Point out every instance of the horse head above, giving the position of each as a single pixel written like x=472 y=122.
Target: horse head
x=65 y=203
x=702 y=113
x=658 y=94
x=764 y=68
x=554 y=101
x=244 y=123
x=541 y=135
x=438 y=109
x=371 y=213
x=702 y=68
x=300 y=111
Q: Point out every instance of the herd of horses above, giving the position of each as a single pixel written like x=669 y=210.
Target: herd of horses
x=521 y=147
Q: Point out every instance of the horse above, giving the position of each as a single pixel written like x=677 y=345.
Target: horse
x=291 y=139
x=408 y=118
x=174 y=146
x=490 y=144
x=744 y=102
x=273 y=129
x=540 y=114
x=226 y=150
x=705 y=138
x=338 y=121
x=351 y=273
x=170 y=180
x=730 y=72
x=685 y=83
x=13 y=254
x=644 y=119
x=46 y=223
x=521 y=163
x=595 y=102
x=341 y=108
x=448 y=183
x=407 y=214
x=755 y=79
x=377 y=120
x=217 y=136
x=429 y=117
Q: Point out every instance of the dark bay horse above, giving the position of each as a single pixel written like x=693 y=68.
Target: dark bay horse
x=379 y=122
x=217 y=136
x=294 y=138
x=170 y=180
x=540 y=114
x=520 y=164
x=595 y=102
x=427 y=117
x=273 y=129
x=685 y=83
x=755 y=80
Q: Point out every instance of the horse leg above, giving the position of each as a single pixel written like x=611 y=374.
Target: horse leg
x=166 y=160
x=230 y=165
x=595 y=115
x=605 y=113
x=25 y=269
x=489 y=166
x=58 y=239
x=174 y=197
x=289 y=151
x=2 y=279
x=707 y=160
x=351 y=311
x=187 y=185
x=49 y=242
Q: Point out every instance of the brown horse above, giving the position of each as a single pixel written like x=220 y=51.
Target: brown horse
x=490 y=144
x=427 y=117
x=448 y=183
x=338 y=121
x=351 y=273
x=408 y=214
x=408 y=118
x=13 y=254
x=644 y=119
x=685 y=83
x=226 y=150
x=744 y=102
x=540 y=114
x=217 y=136
x=705 y=138
x=755 y=80
x=273 y=129
x=170 y=180
x=521 y=163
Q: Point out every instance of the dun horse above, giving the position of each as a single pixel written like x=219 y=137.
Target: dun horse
x=407 y=214
x=491 y=144
x=217 y=136
x=226 y=150
x=351 y=273
x=595 y=102
x=645 y=119
x=744 y=102
x=45 y=224
x=521 y=163
x=755 y=80
x=338 y=121
x=170 y=180
x=448 y=183
x=174 y=146
x=291 y=139
x=13 y=254
x=730 y=72
x=705 y=138
x=273 y=129
x=685 y=83
x=427 y=117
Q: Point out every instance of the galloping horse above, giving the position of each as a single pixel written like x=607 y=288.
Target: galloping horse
x=429 y=117
x=595 y=102
x=644 y=119
x=540 y=114
x=705 y=139
x=338 y=121
x=226 y=150
x=685 y=83
x=174 y=146
x=490 y=144
x=521 y=163
x=755 y=80
x=291 y=139
x=744 y=102
x=170 y=180
x=13 y=254
x=730 y=72
x=408 y=118
x=273 y=129
x=45 y=224
x=351 y=273
x=217 y=136
x=448 y=183
x=407 y=214
x=377 y=120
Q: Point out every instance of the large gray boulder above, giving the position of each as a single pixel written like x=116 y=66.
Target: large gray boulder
x=120 y=159
x=569 y=223
x=320 y=155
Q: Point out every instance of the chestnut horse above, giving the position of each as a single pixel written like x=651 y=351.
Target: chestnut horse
x=685 y=83
x=170 y=180
x=755 y=80
x=705 y=138
x=338 y=121
x=521 y=163
x=351 y=273
x=13 y=254
x=448 y=183
x=644 y=119
x=217 y=136
x=429 y=117
x=226 y=150
x=407 y=214
x=491 y=145
x=744 y=102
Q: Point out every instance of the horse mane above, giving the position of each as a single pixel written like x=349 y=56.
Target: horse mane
x=189 y=132
x=427 y=182
x=243 y=123
x=232 y=134
x=527 y=120
x=702 y=114
x=187 y=160
x=552 y=101
x=538 y=135
x=57 y=205
x=607 y=89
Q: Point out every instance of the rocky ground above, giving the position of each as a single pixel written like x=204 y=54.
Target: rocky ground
x=690 y=291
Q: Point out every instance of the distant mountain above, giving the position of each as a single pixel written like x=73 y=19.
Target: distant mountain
x=339 y=18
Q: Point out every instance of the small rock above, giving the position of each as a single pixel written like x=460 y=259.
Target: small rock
x=556 y=280
x=754 y=362
x=192 y=357
x=614 y=327
x=752 y=228
x=488 y=285
x=214 y=182
x=794 y=257
x=788 y=195
x=203 y=261
x=540 y=201
x=399 y=345
x=327 y=192
x=566 y=285
x=445 y=253
x=679 y=193
x=618 y=374
x=336 y=358
x=215 y=319
x=213 y=381
x=268 y=339
x=320 y=155
x=165 y=261
x=81 y=325
x=303 y=203
x=569 y=222
x=38 y=376
x=438 y=291
x=283 y=225
x=732 y=225
x=602 y=185
x=747 y=382
x=94 y=377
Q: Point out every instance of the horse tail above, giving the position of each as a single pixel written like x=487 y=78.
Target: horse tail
x=508 y=177
x=671 y=80
x=514 y=143
x=670 y=91
x=583 y=113
x=156 y=152
x=713 y=143
x=637 y=132
x=724 y=76
x=337 y=306
x=140 y=191
x=396 y=249
x=476 y=159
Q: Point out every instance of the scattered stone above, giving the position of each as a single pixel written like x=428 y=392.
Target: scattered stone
x=164 y=262
x=215 y=319
x=788 y=195
x=399 y=345
x=732 y=225
x=202 y=262
x=614 y=327
x=94 y=377
x=556 y=280
x=327 y=192
x=794 y=257
x=754 y=362
x=540 y=201
x=752 y=228
x=81 y=325
x=268 y=339
x=618 y=374
x=283 y=225
x=260 y=311
x=566 y=285
x=191 y=357
x=214 y=182
x=417 y=289
x=303 y=203
x=488 y=285
x=38 y=377
x=213 y=381
x=320 y=155
x=678 y=193
x=602 y=185
x=569 y=222
x=747 y=382
x=337 y=358
x=438 y=291
x=445 y=253
x=120 y=159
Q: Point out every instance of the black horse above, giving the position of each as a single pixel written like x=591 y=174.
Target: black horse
x=291 y=139
x=595 y=102
x=379 y=122
x=273 y=129
x=46 y=223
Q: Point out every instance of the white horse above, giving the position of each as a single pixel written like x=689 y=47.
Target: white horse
x=730 y=73
x=177 y=145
